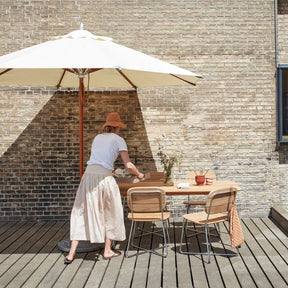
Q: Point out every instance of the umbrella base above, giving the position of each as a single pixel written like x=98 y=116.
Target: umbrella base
x=84 y=246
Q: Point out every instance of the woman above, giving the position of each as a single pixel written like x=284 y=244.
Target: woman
x=97 y=214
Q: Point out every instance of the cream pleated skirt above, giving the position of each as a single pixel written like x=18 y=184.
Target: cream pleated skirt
x=97 y=210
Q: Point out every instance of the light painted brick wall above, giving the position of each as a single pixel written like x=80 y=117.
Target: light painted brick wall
x=282 y=39
x=227 y=123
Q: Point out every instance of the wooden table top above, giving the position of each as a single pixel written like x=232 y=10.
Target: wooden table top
x=193 y=190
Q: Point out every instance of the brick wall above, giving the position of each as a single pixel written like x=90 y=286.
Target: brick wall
x=227 y=123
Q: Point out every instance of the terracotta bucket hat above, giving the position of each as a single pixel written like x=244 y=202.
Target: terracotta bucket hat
x=113 y=119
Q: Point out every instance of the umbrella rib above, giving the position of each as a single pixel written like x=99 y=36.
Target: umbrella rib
x=93 y=70
x=5 y=71
x=74 y=71
x=62 y=76
x=183 y=79
x=126 y=78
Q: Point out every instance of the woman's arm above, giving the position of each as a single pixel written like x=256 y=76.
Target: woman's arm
x=129 y=165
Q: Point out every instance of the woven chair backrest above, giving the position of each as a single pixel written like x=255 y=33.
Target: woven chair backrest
x=220 y=201
x=146 y=200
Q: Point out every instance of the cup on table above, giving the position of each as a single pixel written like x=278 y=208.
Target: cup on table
x=200 y=180
x=209 y=181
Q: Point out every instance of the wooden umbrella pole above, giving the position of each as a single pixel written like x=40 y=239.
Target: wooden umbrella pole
x=81 y=104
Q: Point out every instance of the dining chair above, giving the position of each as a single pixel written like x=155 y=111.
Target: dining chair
x=200 y=201
x=147 y=204
x=217 y=210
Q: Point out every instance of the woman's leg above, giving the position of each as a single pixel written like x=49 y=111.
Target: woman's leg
x=72 y=252
x=108 y=252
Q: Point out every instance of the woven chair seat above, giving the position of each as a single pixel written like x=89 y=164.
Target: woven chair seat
x=154 y=216
x=201 y=217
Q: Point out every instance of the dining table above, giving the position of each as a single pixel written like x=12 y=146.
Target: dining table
x=193 y=189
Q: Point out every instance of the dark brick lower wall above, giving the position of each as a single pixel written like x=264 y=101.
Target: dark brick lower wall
x=40 y=170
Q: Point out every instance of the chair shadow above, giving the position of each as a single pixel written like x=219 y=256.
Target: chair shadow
x=197 y=243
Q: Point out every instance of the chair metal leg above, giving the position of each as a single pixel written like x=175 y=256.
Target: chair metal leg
x=208 y=243
x=133 y=233
x=207 y=236
x=195 y=231
x=184 y=224
x=167 y=230
x=165 y=240
x=165 y=235
x=130 y=234
x=146 y=232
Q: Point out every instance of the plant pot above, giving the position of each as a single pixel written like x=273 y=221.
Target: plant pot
x=168 y=179
x=169 y=183
x=200 y=180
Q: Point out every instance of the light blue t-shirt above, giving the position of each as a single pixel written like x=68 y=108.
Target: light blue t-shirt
x=105 y=149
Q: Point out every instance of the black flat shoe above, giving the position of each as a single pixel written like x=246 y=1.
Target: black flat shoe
x=67 y=261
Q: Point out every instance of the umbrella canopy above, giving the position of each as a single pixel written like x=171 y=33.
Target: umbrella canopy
x=81 y=59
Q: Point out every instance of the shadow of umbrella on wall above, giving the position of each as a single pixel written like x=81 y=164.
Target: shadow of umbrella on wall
x=81 y=59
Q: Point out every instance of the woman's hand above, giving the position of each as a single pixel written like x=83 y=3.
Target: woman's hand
x=141 y=176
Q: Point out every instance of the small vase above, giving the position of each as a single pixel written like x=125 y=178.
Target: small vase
x=200 y=180
x=168 y=179
x=169 y=182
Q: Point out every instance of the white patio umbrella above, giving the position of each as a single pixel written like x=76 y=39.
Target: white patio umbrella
x=81 y=59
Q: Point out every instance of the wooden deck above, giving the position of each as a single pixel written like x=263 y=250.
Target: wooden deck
x=30 y=258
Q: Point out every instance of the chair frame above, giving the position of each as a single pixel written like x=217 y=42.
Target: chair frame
x=231 y=194
x=200 y=203
x=162 y=232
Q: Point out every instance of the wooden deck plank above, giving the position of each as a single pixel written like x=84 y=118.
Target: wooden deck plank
x=5 y=226
x=239 y=267
x=154 y=273
x=30 y=258
x=10 y=239
x=276 y=231
x=48 y=261
x=170 y=277
x=253 y=267
x=211 y=271
x=82 y=274
x=97 y=273
x=224 y=262
x=67 y=273
x=183 y=266
x=111 y=274
x=255 y=242
x=126 y=272
x=277 y=238
x=53 y=271
x=8 y=228
x=18 y=244
x=272 y=252
x=16 y=261
x=141 y=267
x=37 y=254
x=43 y=272
x=196 y=263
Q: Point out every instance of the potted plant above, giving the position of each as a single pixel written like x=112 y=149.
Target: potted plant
x=167 y=162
